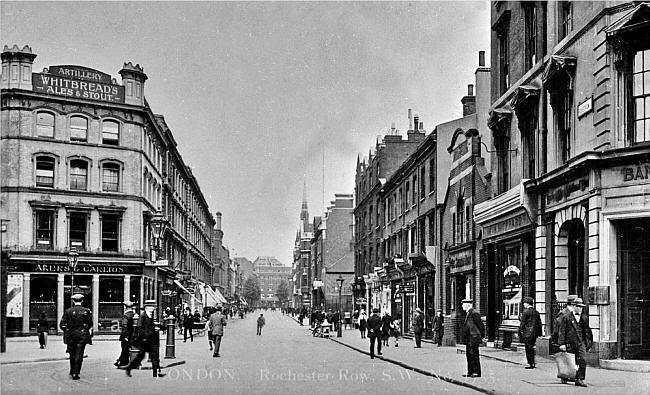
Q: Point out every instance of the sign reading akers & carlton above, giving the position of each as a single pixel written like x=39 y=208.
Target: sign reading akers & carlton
x=78 y=82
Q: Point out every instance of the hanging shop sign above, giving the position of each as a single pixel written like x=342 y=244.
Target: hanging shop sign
x=78 y=82
x=15 y=295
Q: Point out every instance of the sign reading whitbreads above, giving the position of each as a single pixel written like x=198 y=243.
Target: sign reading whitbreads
x=78 y=82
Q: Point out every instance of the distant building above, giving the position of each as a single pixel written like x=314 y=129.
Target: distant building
x=300 y=271
x=270 y=273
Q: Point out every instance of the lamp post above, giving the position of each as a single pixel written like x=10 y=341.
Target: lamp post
x=340 y=280
x=73 y=260
x=158 y=226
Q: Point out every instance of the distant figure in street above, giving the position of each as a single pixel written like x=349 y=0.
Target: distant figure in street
x=147 y=340
x=418 y=327
x=355 y=319
x=473 y=334
x=530 y=329
x=42 y=327
x=574 y=335
x=77 y=322
x=261 y=321
x=362 y=323
x=386 y=321
x=438 y=327
x=374 y=332
x=216 y=323
x=188 y=323
x=126 y=334
x=396 y=326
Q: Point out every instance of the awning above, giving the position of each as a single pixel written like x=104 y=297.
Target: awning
x=213 y=296
x=186 y=290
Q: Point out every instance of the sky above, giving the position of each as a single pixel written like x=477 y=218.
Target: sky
x=265 y=97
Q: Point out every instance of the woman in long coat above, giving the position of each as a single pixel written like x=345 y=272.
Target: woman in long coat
x=363 y=320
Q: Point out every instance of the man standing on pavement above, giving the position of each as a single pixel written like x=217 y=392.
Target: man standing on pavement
x=216 y=324
x=126 y=334
x=418 y=327
x=438 y=327
x=77 y=322
x=574 y=335
x=374 y=332
x=147 y=339
x=261 y=321
x=473 y=334
x=188 y=324
x=530 y=329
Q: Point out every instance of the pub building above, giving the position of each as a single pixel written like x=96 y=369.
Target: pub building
x=82 y=170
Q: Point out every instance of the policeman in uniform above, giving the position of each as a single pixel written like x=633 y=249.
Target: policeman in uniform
x=77 y=323
x=147 y=339
x=126 y=335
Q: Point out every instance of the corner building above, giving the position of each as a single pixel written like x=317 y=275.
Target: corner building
x=84 y=166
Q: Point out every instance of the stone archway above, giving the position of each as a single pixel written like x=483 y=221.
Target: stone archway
x=569 y=266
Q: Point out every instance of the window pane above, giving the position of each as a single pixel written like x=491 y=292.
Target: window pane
x=110 y=132
x=45 y=124
x=647 y=106
x=646 y=83
x=638 y=84
x=78 y=230
x=110 y=233
x=639 y=132
x=78 y=175
x=44 y=226
x=45 y=172
x=638 y=61
x=646 y=59
x=78 y=128
x=638 y=113
x=110 y=178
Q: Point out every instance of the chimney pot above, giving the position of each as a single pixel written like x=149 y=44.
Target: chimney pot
x=421 y=125
x=416 y=117
x=481 y=58
x=470 y=90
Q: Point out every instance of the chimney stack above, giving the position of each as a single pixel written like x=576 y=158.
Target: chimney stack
x=218 y=220
x=410 y=120
x=392 y=128
x=421 y=126
x=469 y=101
x=416 y=118
x=470 y=90
x=481 y=58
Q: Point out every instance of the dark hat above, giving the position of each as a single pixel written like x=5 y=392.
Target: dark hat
x=149 y=302
x=128 y=303
x=419 y=310
x=77 y=297
x=375 y=310
x=468 y=300
x=575 y=300
x=528 y=300
x=219 y=307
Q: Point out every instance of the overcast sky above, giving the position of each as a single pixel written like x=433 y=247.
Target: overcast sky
x=256 y=94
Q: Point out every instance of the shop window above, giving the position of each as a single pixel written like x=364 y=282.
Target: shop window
x=110 y=133
x=45 y=171
x=45 y=124
x=78 y=175
x=83 y=284
x=78 y=128
x=78 y=229
x=44 y=229
x=110 y=232
x=110 y=177
x=42 y=300
x=111 y=296
x=530 y=18
x=641 y=97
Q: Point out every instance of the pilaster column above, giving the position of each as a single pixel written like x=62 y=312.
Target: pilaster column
x=60 y=294
x=95 y=302
x=26 y=297
x=127 y=287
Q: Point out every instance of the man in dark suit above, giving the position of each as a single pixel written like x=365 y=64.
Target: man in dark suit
x=147 y=339
x=126 y=334
x=438 y=327
x=530 y=328
x=574 y=335
x=473 y=334
x=77 y=323
x=418 y=327
x=216 y=324
x=188 y=324
x=374 y=332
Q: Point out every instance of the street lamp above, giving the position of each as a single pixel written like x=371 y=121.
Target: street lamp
x=340 y=280
x=73 y=260
x=159 y=224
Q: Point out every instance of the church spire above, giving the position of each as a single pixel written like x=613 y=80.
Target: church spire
x=304 y=213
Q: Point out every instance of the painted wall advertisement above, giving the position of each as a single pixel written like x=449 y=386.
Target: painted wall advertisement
x=15 y=295
x=78 y=82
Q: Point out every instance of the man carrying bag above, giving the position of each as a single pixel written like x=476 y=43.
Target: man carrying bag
x=574 y=336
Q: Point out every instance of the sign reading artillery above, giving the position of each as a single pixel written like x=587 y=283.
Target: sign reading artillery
x=78 y=82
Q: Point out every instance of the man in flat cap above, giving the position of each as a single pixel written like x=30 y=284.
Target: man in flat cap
x=418 y=327
x=574 y=335
x=77 y=323
x=473 y=334
x=530 y=328
x=126 y=334
x=147 y=339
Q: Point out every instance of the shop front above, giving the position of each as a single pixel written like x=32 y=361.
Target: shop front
x=43 y=285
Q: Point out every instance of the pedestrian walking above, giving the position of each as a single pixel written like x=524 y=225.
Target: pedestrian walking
x=126 y=334
x=147 y=340
x=473 y=334
x=530 y=328
x=396 y=326
x=77 y=323
x=217 y=322
x=386 y=322
x=362 y=323
x=42 y=327
x=438 y=327
x=261 y=321
x=418 y=327
x=374 y=332
x=355 y=319
x=574 y=335
x=210 y=311
x=188 y=323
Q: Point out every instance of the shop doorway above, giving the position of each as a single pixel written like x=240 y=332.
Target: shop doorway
x=634 y=288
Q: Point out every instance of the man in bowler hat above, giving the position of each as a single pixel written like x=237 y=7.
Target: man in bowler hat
x=77 y=323
x=574 y=335
x=473 y=334
x=126 y=334
x=530 y=328
x=147 y=339
x=374 y=332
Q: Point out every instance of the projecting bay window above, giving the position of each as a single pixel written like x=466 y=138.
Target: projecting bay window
x=77 y=229
x=44 y=221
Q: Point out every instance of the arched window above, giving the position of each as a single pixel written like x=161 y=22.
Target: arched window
x=78 y=128
x=45 y=171
x=78 y=175
x=110 y=177
x=110 y=133
x=45 y=124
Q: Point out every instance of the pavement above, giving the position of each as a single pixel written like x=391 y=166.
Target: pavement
x=502 y=371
